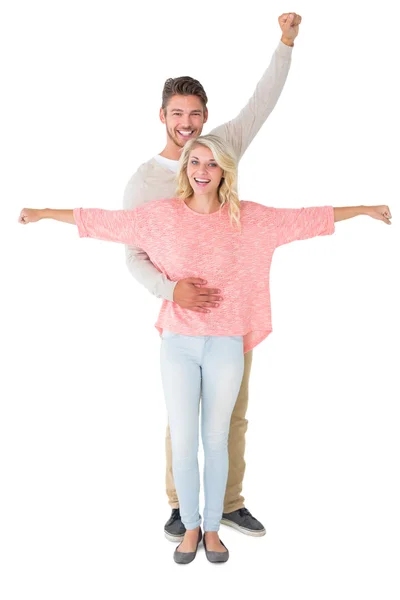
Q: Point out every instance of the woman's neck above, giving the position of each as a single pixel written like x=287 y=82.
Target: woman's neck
x=205 y=204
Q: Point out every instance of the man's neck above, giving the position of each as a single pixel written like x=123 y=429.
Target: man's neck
x=171 y=151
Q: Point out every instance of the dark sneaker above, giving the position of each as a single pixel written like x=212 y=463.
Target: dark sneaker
x=174 y=529
x=243 y=521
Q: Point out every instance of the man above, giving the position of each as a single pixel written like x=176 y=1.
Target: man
x=184 y=112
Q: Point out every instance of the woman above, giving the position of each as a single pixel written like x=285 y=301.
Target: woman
x=207 y=232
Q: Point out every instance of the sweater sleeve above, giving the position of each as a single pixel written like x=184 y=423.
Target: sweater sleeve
x=293 y=224
x=241 y=131
x=137 y=260
x=108 y=225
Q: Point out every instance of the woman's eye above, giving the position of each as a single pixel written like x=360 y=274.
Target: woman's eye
x=213 y=164
x=194 y=162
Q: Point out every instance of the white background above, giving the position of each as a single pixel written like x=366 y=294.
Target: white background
x=82 y=415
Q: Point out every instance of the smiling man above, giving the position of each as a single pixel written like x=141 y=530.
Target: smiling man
x=184 y=113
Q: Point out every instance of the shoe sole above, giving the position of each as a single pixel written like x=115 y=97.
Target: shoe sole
x=173 y=538
x=251 y=532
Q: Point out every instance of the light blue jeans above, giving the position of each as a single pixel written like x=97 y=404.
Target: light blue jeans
x=210 y=367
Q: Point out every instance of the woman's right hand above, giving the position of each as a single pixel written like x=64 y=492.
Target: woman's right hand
x=29 y=215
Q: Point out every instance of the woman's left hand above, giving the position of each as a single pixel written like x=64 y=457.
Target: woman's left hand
x=382 y=213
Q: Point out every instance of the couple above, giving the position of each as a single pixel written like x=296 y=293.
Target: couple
x=204 y=351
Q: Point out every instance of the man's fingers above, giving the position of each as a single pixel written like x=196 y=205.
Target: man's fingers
x=209 y=298
x=209 y=292
x=195 y=281
x=289 y=20
x=288 y=24
x=206 y=301
x=207 y=304
x=203 y=307
x=190 y=294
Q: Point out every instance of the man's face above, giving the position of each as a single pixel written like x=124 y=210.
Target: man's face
x=184 y=118
x=203 y=171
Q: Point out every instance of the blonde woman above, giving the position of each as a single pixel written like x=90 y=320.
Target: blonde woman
x=207 y=232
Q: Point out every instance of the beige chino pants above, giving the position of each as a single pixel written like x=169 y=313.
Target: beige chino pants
x=236 y=448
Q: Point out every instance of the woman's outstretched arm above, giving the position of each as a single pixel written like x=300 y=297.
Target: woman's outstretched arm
x=382 y=213
x=108 y=225
x=303 y=223
x=32 y=215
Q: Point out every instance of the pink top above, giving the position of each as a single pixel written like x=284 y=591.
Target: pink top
x=182 y=243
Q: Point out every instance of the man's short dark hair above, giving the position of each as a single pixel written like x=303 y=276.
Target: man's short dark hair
x=183 y=86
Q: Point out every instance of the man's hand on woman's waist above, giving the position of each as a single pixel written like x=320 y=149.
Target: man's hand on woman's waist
x=189 y=294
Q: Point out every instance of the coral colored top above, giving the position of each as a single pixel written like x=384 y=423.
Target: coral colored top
x=182 y=243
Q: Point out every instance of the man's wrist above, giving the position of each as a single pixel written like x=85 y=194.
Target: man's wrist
x=171 y=290
x=287 y=41
x=44 y=213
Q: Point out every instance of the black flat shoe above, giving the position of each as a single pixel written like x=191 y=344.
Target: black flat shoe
x=184 y=558
x=216 y=557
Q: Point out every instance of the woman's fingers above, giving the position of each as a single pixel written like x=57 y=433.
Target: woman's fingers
x=23 y=217
x=386 y=212
x=386 y=215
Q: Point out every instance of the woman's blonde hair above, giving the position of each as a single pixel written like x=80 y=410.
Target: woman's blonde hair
x=225 y=158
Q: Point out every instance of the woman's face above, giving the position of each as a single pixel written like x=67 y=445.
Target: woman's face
x=203 y=172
